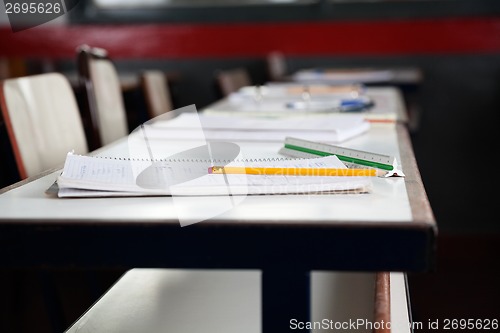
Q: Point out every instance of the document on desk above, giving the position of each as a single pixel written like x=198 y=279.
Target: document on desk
x=280 y=90
x=90 y=176
x=333 y=129
x=286 y=99
x=378 y=105
x=343 y=76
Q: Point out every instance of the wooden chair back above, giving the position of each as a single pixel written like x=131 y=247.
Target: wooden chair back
x=230 y=80
x=43 y=121
x=156 y=92
x=105 y=114
x=276 y=66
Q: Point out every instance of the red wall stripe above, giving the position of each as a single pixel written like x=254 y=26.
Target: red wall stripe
x=346 y=38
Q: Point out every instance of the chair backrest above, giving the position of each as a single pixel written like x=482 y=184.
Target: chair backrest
x=230 y=80
x=4 y=68
x=43 y=121
x=156 y=92
x=276 y=66
x=105 y=112
x=13 y=67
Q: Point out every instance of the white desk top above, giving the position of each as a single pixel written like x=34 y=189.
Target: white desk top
x=394 y=222
x=388 y=203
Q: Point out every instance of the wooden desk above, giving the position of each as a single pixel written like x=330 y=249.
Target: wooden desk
x=406 y=79
x=385 y=76
x=389 y=105
x=285 y=236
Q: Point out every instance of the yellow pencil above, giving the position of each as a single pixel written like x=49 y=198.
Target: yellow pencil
x=292 y=171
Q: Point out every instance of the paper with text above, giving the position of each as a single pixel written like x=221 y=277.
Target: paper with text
x=110 y=177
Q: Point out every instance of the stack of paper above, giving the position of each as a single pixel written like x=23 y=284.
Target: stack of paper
x=325 y=128
x=277 y=90
x=343 y=76
x=282 y=100
x=85 y=176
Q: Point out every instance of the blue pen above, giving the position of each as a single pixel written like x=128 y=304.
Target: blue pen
x=342 y=105
x=359 y=104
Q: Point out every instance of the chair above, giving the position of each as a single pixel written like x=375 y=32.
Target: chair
x=156 y=91
x=43 y=121
x=104 y=111
x=276 y=66
x=230 y=80
x=4 y=68
x=13 y=67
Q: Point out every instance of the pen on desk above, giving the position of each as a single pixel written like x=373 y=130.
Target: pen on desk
x=290 y=171
x=343 y=105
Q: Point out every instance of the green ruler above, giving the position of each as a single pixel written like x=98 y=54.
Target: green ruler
x=295 y=147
